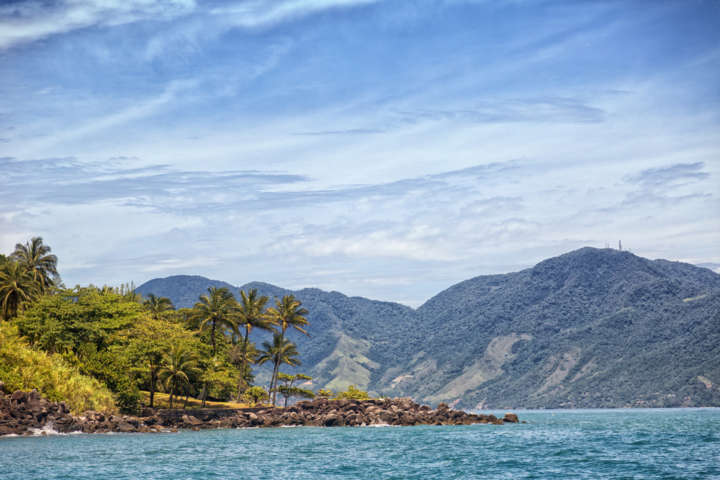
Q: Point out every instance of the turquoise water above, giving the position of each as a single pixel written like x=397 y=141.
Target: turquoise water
x=610 y=444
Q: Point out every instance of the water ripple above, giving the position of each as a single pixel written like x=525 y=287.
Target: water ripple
x=609 y=444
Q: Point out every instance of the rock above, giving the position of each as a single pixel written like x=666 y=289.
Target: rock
x=22 y=411
x=510 y=418
x=191 y=420
x=333 y=420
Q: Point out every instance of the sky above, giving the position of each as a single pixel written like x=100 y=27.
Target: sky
x=385 y=149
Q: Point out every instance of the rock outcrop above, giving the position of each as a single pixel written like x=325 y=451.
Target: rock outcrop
x=25 y=413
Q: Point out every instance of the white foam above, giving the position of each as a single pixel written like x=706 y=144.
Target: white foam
x=47 y=429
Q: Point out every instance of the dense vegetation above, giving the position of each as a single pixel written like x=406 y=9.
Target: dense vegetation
x=591 y=328
x=80 y=344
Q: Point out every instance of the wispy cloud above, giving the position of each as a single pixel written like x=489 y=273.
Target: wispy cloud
x=262 y=13
x=356 y=145
x=30 y=20
x=672 y=175
x=69 y=181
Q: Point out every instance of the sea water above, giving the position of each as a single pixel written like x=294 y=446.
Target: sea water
x=592 y=444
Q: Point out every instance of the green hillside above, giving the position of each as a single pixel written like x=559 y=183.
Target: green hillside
x=591 y=328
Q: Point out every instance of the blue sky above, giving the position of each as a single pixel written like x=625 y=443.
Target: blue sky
x=380 y=148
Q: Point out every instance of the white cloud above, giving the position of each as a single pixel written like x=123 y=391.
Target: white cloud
x=33 y=20
x=256 y=14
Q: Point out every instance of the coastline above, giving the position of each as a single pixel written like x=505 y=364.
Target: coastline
x=28 y=413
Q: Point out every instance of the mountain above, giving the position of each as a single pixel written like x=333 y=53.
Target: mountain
x=591 y=328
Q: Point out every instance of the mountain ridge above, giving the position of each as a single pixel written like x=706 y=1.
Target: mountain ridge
x=556 y=334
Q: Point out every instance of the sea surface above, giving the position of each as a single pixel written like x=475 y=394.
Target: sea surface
x=558 y=444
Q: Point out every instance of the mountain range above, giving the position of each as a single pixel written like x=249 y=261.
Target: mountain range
x=590 y=328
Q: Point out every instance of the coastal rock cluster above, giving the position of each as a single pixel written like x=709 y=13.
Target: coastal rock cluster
x=24 y=413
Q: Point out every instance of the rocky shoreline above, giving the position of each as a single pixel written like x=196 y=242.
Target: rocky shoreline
x=27 y=413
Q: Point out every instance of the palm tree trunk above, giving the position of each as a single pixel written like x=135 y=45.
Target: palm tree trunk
x=241 y=382
x=212 y=338
x=204 y=394
x=273 y=382
x=153 y=381
x=172 y=392
x=186 y=400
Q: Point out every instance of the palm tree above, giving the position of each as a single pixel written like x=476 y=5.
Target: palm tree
x=280 y=351
x=216 y=310
x=16 y=286
x=241 y=355
x=251 y=314
x=178 y=366
x=35 y=257
x=156 y=305
x=288 y=313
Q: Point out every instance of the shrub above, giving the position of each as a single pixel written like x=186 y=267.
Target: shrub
x=23 y=368
x=353 y=393
x=255 y=395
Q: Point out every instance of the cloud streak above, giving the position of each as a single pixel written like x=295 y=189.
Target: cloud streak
x=31 y=20
x=386 y=149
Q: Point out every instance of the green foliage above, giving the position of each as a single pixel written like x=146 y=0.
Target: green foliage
x=255 y=395
x=216 y=311
x=78 y=319
x=288 y=313
x=156 y=306
x=24 y=368
x=147 y=342
x=179 y=365
x=250 y=314
x=219 y=377
x=17 y=287
x=35 y=258
x=322 y=393
x=281 y=351
x=353 y=393
x=84 y=325
x=288 y=389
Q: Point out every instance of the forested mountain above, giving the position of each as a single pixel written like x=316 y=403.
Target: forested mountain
x=591 y=328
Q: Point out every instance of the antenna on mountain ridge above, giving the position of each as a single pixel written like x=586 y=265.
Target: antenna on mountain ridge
x=620 y=245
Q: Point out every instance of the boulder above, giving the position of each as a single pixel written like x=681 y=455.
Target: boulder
x=333 y=420
x=510 y=418
x=191 y=420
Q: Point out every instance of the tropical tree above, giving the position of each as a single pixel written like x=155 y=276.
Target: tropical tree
x=157 y=305
x=255 y=394
x=251 y=314
x=178 y=366
x=280 y=351
x=217 y=376
x=35 y=257
x=147 y=341
x=216 y=310
x=241 y=356
x=288 y=388
x=288 y=313
x=16 y=286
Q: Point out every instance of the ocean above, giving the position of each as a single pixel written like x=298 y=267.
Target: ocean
x=554 y=444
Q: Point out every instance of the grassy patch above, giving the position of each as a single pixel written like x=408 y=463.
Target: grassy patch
x=162 y=400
